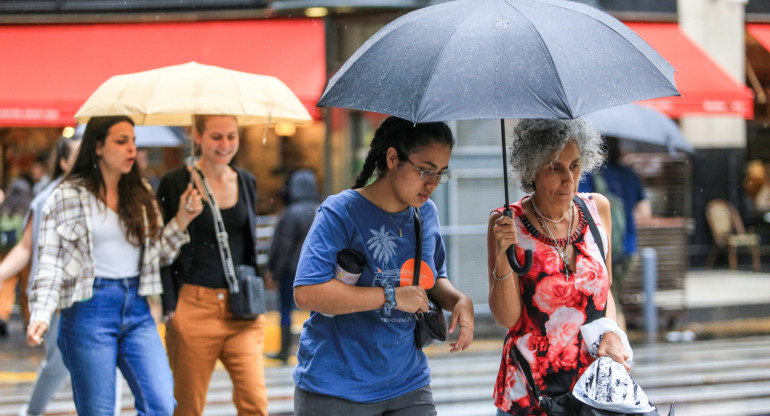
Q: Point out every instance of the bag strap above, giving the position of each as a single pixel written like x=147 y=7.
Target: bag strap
x=220 y=233
x=591 y=225
x=417 y=246
x=524 y=367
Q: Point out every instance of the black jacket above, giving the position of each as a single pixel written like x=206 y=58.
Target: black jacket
x=292 y=228
x=171 y=187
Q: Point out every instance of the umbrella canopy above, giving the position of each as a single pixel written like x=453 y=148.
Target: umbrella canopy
x=639 y=123
x=498 y=59
x=172 y=95
x=486 y=59
x=151 y=136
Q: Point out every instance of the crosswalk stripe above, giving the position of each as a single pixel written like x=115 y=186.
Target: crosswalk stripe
x=703 y=378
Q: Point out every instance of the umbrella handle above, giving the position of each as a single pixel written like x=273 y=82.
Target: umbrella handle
x=512 y=260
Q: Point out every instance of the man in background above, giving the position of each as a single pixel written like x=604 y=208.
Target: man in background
x=300 y=194
x=628 y=204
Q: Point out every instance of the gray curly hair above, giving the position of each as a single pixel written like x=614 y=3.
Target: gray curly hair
x=536 y=141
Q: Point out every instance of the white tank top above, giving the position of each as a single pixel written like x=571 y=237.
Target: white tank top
x=114 y=256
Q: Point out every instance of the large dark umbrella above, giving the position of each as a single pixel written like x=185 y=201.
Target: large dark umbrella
x=642 y=124
x=497 y=59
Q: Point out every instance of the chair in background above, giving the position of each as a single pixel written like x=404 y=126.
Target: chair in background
x=729 y=233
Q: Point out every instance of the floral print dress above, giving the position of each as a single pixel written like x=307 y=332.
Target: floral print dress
x=553 y=309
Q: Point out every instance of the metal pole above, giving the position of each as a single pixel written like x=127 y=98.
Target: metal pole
x=650 y=272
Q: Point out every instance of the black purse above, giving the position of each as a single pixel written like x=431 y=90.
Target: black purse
x=431 y=327
x=249 y=301
x=247 y=289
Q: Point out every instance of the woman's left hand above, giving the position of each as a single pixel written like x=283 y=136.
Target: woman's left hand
x=611 y=346
x=462 y=316
x=190 y=206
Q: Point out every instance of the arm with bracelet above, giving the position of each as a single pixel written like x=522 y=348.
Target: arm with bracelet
x=504 y=291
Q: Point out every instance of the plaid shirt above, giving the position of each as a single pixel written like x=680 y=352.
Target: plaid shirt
x=65 y=272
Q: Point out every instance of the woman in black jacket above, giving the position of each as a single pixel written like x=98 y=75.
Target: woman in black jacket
x=196 y=300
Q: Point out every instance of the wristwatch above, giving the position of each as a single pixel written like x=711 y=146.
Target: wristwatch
x=390 y=297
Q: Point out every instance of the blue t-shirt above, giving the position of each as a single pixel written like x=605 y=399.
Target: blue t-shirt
x=623 y=182
x=365 y=357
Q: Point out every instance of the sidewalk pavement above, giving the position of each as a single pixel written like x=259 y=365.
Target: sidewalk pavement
x=719 y=303
x=722 y=303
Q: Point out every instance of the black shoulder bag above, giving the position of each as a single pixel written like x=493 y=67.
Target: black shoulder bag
x=431 y=326
x=247 y=290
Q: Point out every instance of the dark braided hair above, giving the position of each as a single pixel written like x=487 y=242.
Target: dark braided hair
x=404 y=136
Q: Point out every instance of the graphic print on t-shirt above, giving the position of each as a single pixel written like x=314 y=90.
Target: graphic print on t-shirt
x=382 y=245
x=382 y=248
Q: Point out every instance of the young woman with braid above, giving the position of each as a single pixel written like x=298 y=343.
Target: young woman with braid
x=357 y=353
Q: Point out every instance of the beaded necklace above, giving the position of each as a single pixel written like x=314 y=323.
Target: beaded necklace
x=562 y=252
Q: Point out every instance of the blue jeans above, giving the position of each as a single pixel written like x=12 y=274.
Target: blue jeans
x=286 y=293
x=115 y=328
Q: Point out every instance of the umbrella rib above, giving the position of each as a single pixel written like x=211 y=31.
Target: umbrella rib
x=659 y=73
x=435 y=65
x=564 y=102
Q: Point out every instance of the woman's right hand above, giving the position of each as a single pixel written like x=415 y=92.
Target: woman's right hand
x=35 y=332
x=505 y=233
x=411 y=299
x=190 y=206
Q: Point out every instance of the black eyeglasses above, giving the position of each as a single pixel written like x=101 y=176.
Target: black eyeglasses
x=427 y=175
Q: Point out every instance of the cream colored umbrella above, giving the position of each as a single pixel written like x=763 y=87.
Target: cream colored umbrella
x=172 y=95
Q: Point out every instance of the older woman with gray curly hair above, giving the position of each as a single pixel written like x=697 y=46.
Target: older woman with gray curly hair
x=568 y=284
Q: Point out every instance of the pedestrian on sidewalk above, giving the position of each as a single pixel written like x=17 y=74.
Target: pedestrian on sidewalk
x=569 y=283
x=200 y=327
x=302 y=202
x=102 y=243
x=52 y=370
x=628 y=204
x=38 y=173
x=357 y=354
x=12 y=212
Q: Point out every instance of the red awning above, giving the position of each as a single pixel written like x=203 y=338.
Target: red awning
x=706 y=88
x=50 y=70
x=761 y=33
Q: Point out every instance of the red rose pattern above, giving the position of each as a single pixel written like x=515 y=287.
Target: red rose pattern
x=554 y=308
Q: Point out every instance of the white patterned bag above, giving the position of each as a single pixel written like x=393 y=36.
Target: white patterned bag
x=607 y=385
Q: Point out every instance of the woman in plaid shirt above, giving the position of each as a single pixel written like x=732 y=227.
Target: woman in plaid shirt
x=102 y=243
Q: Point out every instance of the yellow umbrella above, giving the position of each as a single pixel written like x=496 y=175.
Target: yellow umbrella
x=172 y=95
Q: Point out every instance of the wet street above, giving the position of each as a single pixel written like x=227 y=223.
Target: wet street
x=726 y=372
x=704 y=378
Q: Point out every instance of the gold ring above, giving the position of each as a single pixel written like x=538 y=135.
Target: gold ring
x=463 y=326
